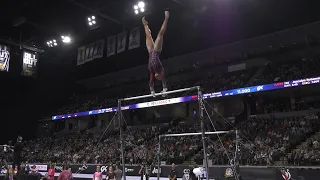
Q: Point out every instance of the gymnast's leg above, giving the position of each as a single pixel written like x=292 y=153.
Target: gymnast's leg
x=159 y=41
x=151 y=84
x=158 y=47
x=164 y=83
x=149 y=40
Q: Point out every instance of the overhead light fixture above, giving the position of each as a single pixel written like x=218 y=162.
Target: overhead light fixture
x=66 y=39
x=92 y=20
x=141 y=4
x=140 y=7
x=52 y=43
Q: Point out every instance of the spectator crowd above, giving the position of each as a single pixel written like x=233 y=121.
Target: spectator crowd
x=263 y=140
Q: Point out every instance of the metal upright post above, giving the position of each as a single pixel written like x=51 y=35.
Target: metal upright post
x=236 y=158
x=121 y=140
x=200 y=101
x=159 y=146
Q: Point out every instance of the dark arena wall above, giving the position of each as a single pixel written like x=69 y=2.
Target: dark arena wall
x=83 y=172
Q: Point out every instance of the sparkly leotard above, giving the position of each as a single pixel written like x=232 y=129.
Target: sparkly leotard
x=155 y=65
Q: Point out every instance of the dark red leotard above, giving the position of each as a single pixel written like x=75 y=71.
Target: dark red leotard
x=155 y=65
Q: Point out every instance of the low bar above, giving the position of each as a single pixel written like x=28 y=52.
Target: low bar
x=160 y=94
x=194 y=134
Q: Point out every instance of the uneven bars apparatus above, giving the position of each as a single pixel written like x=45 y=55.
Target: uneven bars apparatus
x=194 y=134
x=146 y=96
x=191 y=134
x=160 y=94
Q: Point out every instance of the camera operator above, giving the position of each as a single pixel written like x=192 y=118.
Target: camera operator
x=17 y=153
x=144 y=172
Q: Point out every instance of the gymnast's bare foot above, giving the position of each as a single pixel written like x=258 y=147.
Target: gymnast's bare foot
x=166 y=14
x=144 y=22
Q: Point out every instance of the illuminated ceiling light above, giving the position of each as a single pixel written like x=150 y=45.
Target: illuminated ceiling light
x=141 y=4
x=140 y=7
x=52 y=43
x=66 y=39
x=92 y=20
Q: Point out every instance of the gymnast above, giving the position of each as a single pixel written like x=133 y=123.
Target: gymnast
x=154 y=48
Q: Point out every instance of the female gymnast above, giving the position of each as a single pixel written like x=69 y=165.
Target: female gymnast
x=51 y=172
x=97 y=175
x=154 y=49
x=110 y=174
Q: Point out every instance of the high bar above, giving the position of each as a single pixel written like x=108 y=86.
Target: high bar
x=160 y=94
x=194 y=134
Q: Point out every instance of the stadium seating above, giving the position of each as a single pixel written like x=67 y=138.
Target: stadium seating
x=265 y=139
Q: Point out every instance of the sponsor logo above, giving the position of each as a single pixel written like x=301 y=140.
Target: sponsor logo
x=161 y=102
x=40 y=167
x=286 y=174
x=58 y=168
x=260 y=88
x=129 y=170
x=108 y=110
x=186 y=174
x=104 y=168
x=156 y=171
x=125 y=108
x=83 y=167
x=3 y=170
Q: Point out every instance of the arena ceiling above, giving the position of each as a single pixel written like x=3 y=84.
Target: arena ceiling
x=36 y=21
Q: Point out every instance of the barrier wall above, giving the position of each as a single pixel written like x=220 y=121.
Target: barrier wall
x=216 y=173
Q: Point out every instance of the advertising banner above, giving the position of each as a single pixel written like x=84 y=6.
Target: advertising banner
x=111 y=46
x=134 y=38
x=81 y=55
x=4 y=58
x=90 y=52
x=30 y=60
x=39 y=167
x=98 y=49
x=121 y=41
x=221 y=172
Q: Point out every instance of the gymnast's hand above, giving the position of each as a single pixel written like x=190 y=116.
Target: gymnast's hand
x=144 y=22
